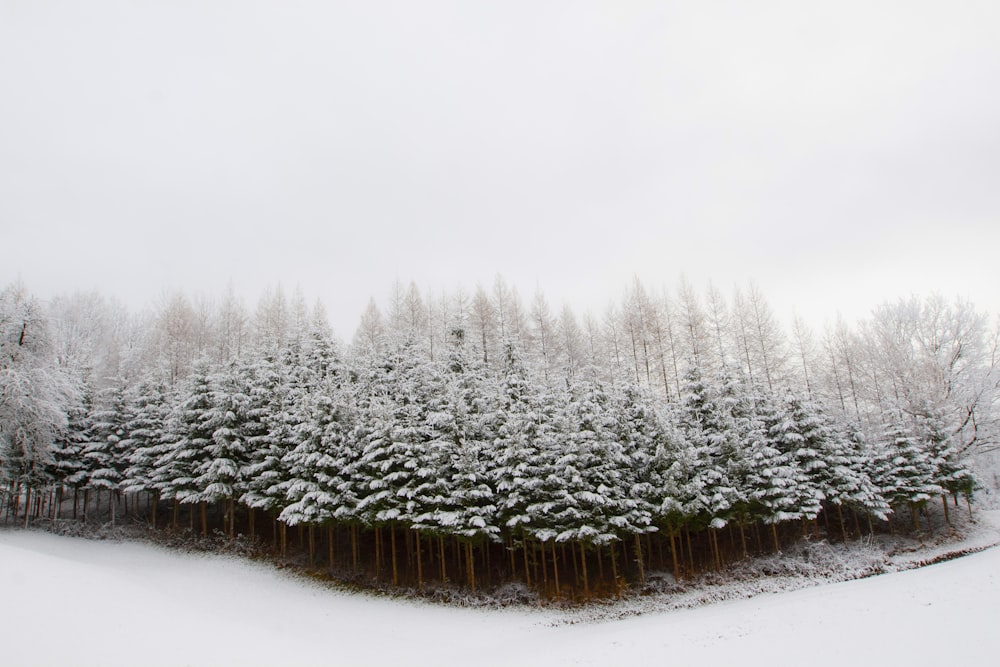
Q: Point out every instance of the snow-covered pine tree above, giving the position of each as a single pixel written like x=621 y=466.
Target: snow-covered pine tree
x=710 y=433
x=775 y=475
x=219 y=475
x=269 y=435
x=68 y=467
x=149 y=408
x=188 y=434
x=904 y=471
x=454 y=495
x=950 y=470
x=105 y=456
x=801 y=435
x=516 y=426
x=393 y=438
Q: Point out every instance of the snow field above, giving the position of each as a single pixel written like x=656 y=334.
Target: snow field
x=72 y=601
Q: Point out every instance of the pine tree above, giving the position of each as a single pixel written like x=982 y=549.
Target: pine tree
x=188 y=434
x=220 y=472
x=145 y=439
x=105 y=457
x=904 y=471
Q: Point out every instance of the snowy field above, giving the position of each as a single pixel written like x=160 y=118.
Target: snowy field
x=69 y=601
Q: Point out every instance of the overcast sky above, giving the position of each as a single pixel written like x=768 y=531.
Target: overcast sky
x=837 y=153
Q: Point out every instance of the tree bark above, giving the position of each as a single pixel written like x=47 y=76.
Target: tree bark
x=555 y=568
x=638 y=559
x=444 y=568
x=395 y=569
x=673 y=551
x=420 y=563
x=527 y=569
x=614 y=569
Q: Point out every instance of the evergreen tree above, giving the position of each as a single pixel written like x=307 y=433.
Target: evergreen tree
x=189 y=432
x=145 y=438
x=105 y=456
x=904 y=471
x=219 y=474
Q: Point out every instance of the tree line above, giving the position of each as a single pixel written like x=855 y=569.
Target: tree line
x=472 y=442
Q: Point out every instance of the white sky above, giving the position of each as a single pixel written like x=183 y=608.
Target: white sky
x=837 y=153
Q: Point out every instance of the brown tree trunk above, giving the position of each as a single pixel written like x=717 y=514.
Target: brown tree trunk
x=583 y=569
x=444 y=568
x=395 y=569
x=673 y=552
x=527 y=569
x=470 y=558
x=638 y=559
x=420 y=563
x=555 y=568
x=27 y=505
x=354 y=548
x=614 y=568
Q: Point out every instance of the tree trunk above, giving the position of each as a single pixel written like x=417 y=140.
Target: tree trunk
x=513 y=561
x=673 y=552
x=614 y=568
x=944 y=504
x=527 y=569
x=470 y=558
x=204 y=519
x=555 y=568
x=354 y=548
x=420 y=563
x=583 y=569
x=395 y=569
x=444 y=568
x=312 y=546
x=27 y=505
x=638 y=559
x=774 y=533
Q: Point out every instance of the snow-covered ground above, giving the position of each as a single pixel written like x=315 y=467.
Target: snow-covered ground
x=70 y=601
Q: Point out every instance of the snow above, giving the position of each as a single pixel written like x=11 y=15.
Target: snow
x=81 y=602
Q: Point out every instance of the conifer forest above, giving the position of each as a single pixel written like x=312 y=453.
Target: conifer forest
x=475 y=440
